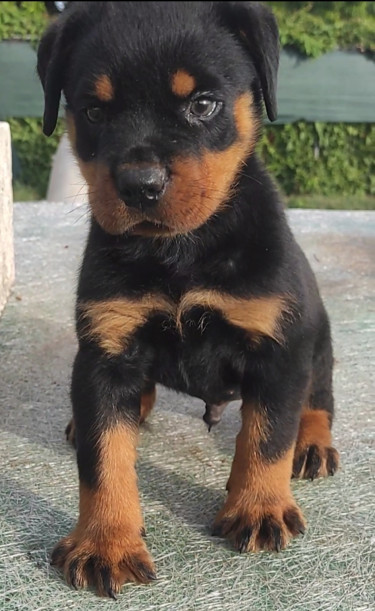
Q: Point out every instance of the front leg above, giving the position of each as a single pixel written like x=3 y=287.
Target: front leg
x=260 y=511
x=106 y=547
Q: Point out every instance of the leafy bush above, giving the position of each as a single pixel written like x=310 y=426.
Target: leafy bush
x=314 y=28
x=34 y=152
x=305 y=158
x=325 y=158
x=22 y=20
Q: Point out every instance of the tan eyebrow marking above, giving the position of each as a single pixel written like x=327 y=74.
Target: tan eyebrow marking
x=104 y=88
x=183 y=83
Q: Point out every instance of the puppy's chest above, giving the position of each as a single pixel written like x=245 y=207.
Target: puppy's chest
x=199 y=317
x=198 y=336
x=202 y=343
x=198 y=352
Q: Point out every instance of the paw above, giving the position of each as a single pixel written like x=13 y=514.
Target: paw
x=70 y=433
x=262 y=527
x=315 y=461
x=105 y=563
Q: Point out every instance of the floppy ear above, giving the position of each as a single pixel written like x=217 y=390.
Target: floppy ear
x=53 y=52
x=256 y=26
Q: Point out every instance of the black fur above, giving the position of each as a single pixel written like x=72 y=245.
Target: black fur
x=245 y=250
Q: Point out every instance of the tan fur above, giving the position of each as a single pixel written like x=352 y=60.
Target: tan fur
x=117 y=479
x=258 y=488
x=199 y=187
x=111 y=323
x=147 y=403
x=110 y=520
x=257 y=316
x=108 y=209
x=314 y=430
x=183 y=84
x=249 y=469
x=104 y=88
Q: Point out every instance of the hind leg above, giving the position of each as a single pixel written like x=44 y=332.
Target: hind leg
x=70 y=433
x=147 y=402
x=314 y=455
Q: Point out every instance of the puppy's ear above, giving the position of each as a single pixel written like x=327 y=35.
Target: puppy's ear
x=53 y=54
x=256 y=26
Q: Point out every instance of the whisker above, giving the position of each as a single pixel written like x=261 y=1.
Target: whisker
x=252 y=178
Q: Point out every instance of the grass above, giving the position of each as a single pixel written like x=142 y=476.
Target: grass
x=332 y=202
x=24 y=193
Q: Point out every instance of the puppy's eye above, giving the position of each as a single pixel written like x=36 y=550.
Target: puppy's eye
x=202 y=108
x=95 y=114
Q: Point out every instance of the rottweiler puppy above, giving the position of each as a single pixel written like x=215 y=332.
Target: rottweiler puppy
x=191 y=277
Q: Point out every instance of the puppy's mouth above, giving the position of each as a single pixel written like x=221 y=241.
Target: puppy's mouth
x=151 y=228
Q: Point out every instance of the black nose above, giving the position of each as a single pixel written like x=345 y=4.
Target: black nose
x=141 y=187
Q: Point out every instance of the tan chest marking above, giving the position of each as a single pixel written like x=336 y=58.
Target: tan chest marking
x=259 y=316
x=112 y=323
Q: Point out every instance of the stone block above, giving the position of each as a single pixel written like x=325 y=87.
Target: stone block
x=6 y=216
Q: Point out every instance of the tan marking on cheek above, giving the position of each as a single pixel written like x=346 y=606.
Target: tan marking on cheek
x=259 y=316
x=104 y=88
x=201 y=186
x=112 y=323
x=183 y=84
x=108 y=209
x=247 y=125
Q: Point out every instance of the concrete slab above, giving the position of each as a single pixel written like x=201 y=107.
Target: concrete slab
x=6 y=216
x=66 y=183
x=182 y=469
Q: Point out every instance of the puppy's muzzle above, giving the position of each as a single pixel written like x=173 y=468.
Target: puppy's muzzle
x=141 y=187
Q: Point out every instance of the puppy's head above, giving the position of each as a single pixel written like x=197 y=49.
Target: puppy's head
x=164 y=102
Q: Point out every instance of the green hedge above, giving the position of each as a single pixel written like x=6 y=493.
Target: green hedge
x=311 y=28
x=33 y=152
x=305 y=158
x=324 y=158
x=314 y=28
x=22 y=20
